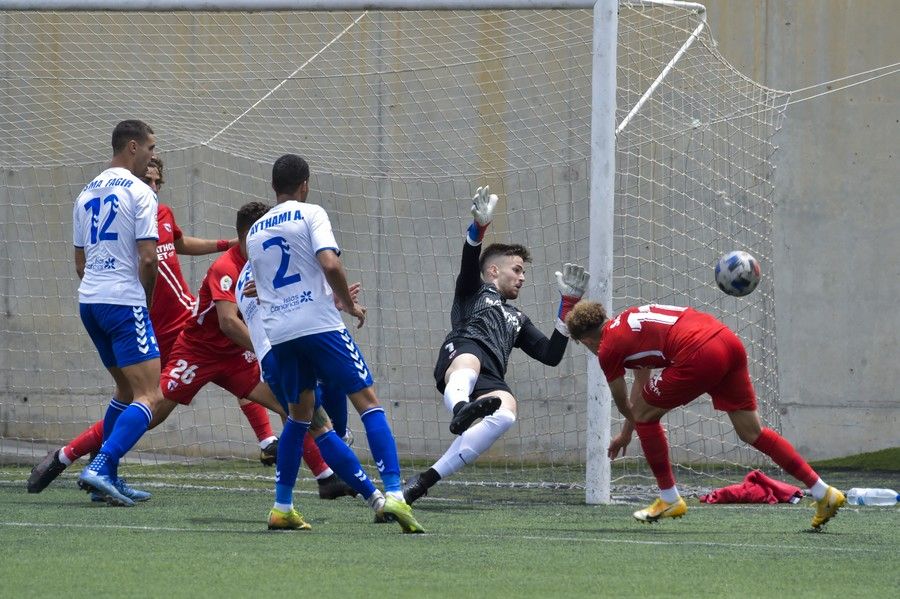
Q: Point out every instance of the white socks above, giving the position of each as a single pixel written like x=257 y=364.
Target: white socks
x=459 y=387
x=475 y=441
x=669 y=495
x=819 y=489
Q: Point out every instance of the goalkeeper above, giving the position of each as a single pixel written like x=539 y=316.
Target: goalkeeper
x=471 y=365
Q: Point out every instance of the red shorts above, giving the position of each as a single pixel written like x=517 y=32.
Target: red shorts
x=187 y=371
x=718 y=367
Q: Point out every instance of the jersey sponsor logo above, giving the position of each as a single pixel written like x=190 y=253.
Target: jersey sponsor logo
x=168 y=227
x=101 y=265
x=225 y=283
x=165 y=250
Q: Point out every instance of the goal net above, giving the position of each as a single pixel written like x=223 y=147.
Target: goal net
x=401 y=115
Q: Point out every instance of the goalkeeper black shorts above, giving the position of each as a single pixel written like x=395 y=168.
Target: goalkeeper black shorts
x=489 y=379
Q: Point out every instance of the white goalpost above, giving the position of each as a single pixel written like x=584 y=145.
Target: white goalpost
x=614 y=132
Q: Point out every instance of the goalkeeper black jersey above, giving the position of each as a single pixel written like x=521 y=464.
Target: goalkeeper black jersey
x=480 y=314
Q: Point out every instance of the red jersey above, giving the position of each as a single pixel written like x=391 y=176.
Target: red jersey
x=202 y=330
x=653 y=336
x=172 y=299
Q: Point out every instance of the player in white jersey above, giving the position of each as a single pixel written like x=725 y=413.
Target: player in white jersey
x=296 y=264
x=335 y=452
x=115 y=235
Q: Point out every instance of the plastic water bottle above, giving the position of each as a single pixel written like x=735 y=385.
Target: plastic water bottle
x=872 y=497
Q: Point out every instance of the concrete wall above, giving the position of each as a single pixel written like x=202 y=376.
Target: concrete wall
x=838 y=213
x=834 y=230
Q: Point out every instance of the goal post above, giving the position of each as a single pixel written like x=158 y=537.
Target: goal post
x=614 y=132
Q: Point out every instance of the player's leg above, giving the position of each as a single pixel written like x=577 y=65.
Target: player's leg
x=90 y=440
x=334 y=401
x=331 y=485
x=258 y=418
x=125 y=339
x=343 y=461
x=292 y=381
x=283 y=515
x=735 y=395
x=101 y=475
x=466 y=448
x=457 y=370
x=655 y=445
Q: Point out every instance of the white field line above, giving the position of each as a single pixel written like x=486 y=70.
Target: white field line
x=494 y=537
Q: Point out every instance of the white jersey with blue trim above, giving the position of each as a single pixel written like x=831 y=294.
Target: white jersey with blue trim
x=250 y=310
x=112 y=213
x=295 y=297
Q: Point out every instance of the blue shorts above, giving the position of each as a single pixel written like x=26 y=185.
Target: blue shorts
x=122 y=334
x=333 y=402
x=331 y=357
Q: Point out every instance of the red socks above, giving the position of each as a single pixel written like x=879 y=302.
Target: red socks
x=258 y=417
x=656 y=450
x=88 y=441
x=313 y=457
x=783 y=453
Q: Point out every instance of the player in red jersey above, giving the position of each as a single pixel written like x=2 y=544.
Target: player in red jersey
x=697 y=354
x=215 y=347
x=171 y=308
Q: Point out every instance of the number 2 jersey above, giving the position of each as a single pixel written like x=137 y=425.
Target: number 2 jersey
x=295 y=298
x=111 y=214
x=653 y=336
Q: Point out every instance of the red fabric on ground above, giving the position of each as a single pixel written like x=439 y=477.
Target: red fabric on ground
x=756 y=488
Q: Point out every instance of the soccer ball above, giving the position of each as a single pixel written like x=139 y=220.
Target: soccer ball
x=737 y=273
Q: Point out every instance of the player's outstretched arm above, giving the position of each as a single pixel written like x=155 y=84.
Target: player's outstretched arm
x=197 y=246
x=483 y=205
x=572 y=283
x=619 y=390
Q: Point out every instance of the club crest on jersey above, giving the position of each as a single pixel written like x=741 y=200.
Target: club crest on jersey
x=172 y=384
x=225 y=283
x=653 y=384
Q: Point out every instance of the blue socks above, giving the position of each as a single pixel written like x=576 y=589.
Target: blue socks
x=129 y=428
x=383 y=446
x=344 y=462
x=287 y=464
x=113 y=411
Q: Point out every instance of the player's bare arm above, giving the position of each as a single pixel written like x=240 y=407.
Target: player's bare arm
x=619 y=389
x=147 y=267
x=231 y=324
x=80 y=261
x=197 y=246
x=334 y=273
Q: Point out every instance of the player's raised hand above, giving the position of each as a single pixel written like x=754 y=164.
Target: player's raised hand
x=572 y=283
x=483 y=205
